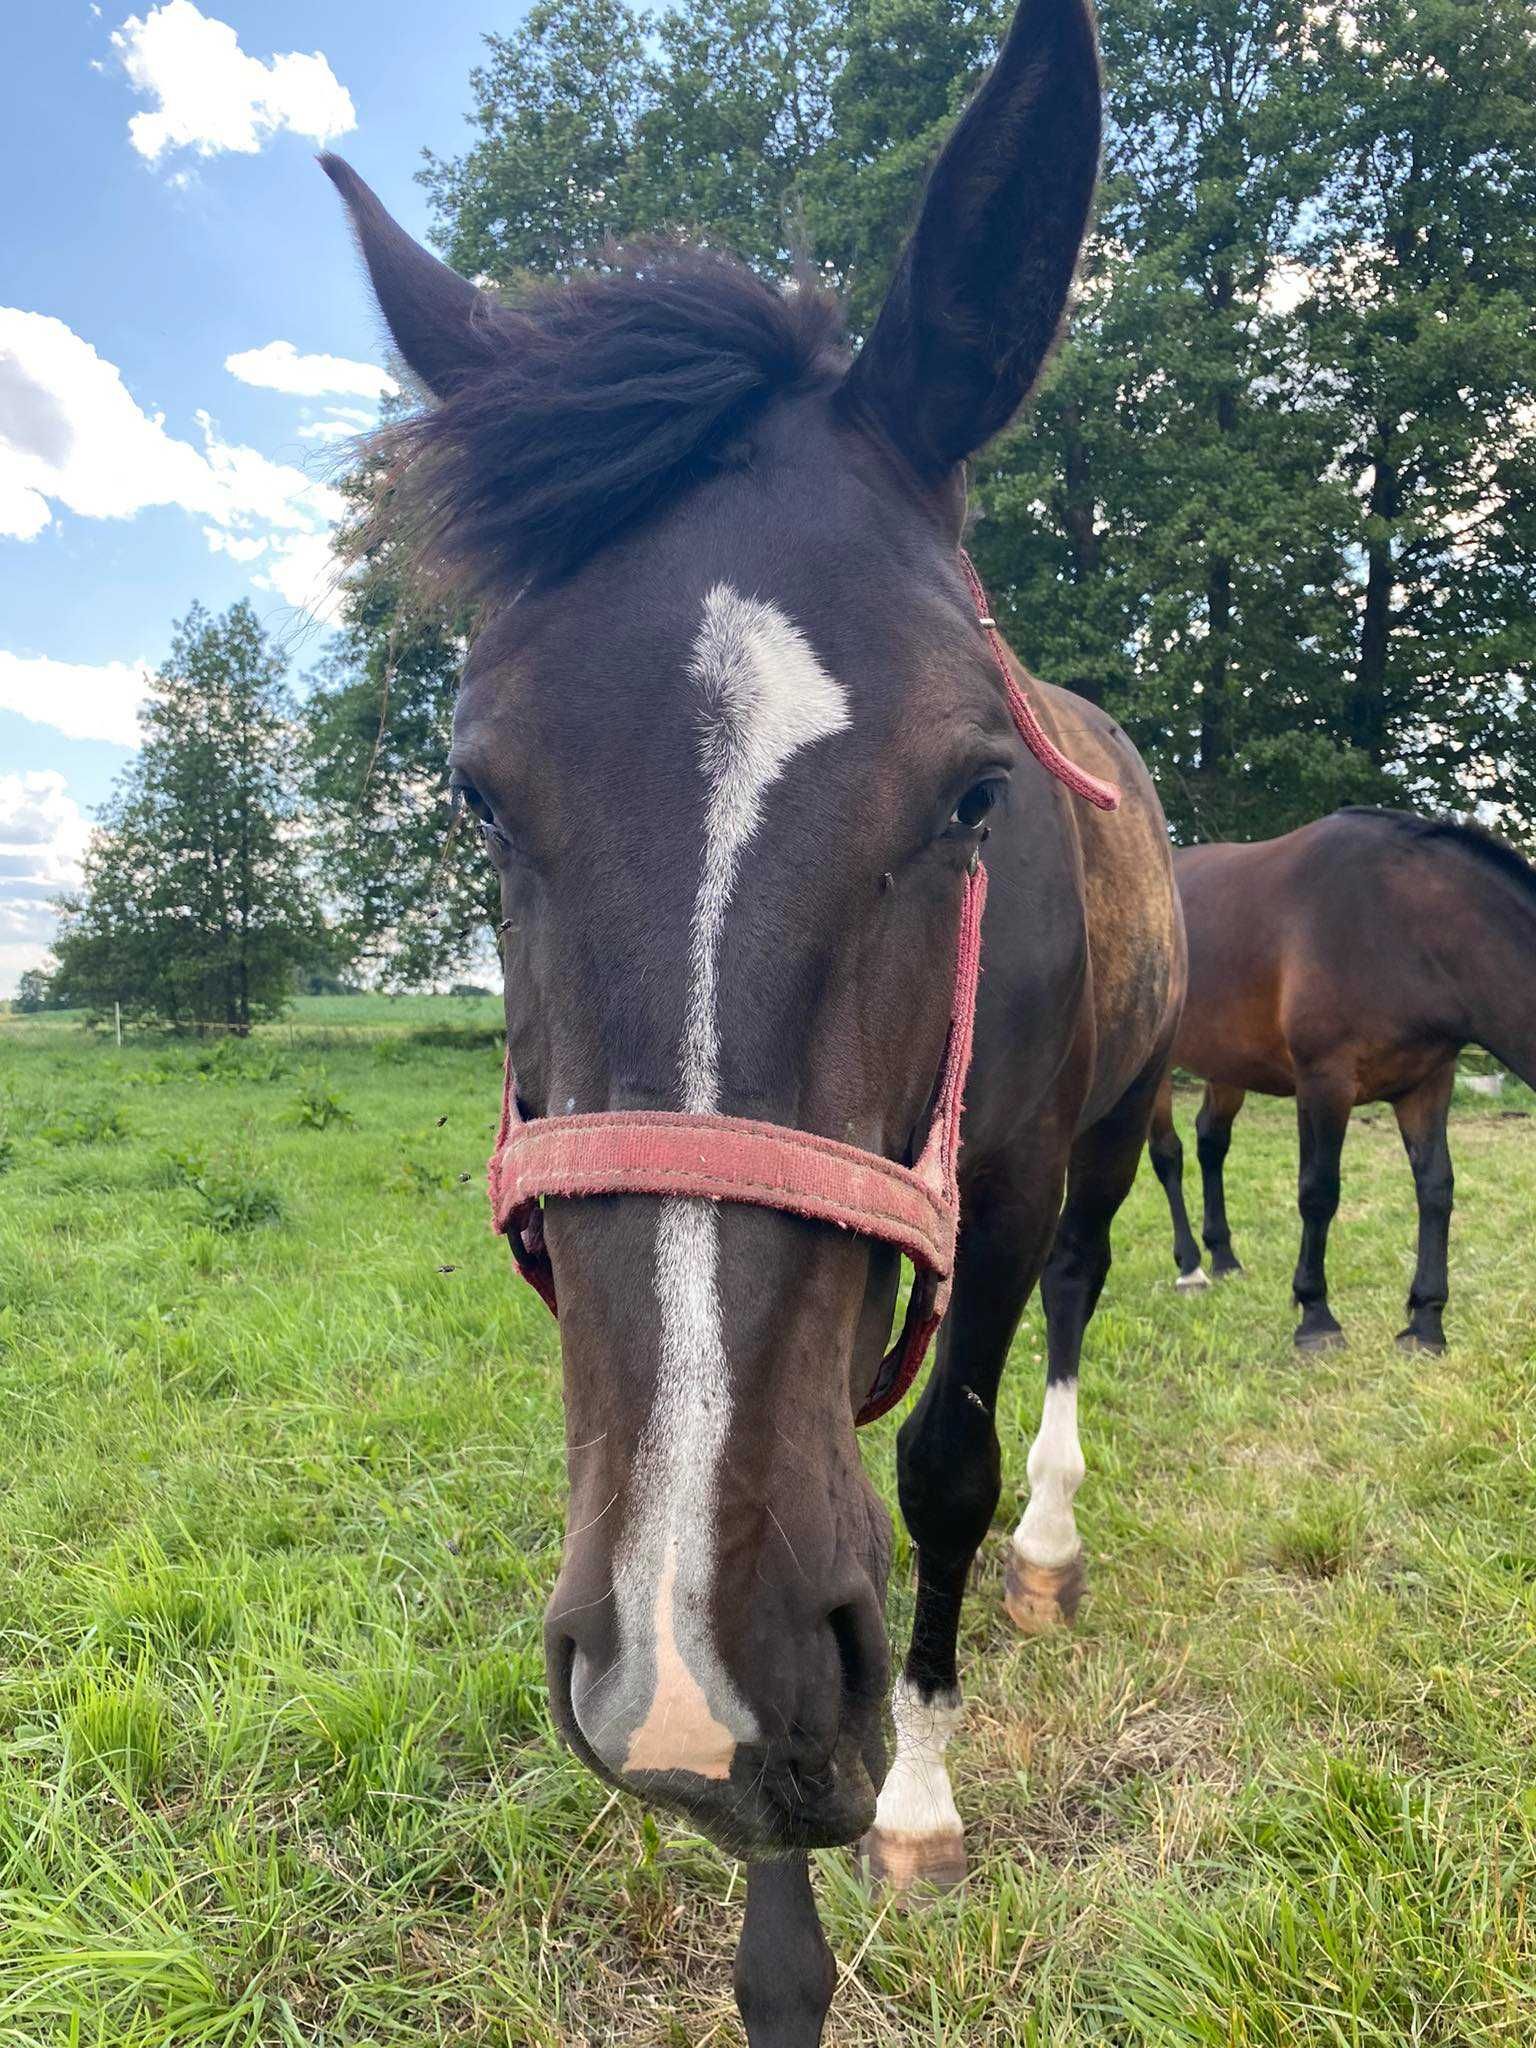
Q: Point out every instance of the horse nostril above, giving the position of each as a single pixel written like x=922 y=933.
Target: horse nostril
x=861 y=1650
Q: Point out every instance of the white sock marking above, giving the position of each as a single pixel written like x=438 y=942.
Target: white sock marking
x=1047 y=1532
x=764 y=695
x=916 y=1798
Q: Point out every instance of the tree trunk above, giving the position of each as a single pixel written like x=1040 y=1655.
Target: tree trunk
x=1085 y=550
x=1367 y=712
x=1215 y=720
x=1075 y=510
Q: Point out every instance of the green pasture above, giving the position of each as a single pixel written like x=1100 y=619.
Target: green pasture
x=280 y=1502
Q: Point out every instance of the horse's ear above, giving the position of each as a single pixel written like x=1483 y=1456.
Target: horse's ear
x=982 y=284
x=441 y=325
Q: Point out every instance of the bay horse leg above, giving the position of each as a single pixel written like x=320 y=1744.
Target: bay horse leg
x=1323 y=1103
x=1421 y=1117
x=1167 y=1156
x=949 y=1471
x=1046 y=1569
x=1213 y=1140
x=785 y=1974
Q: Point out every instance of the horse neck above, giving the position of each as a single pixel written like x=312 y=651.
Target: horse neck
x=1496 y=968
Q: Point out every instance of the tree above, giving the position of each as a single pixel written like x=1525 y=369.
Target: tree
x=1419 y=323
x=34 y=992
x=195 y=908
x=411 y=896
x=601 y=122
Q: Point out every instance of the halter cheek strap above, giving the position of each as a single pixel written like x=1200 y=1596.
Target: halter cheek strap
x=772 y=1166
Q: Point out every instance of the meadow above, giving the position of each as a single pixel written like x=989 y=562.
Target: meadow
x=281 y=1482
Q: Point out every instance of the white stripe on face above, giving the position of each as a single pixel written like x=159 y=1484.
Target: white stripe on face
x=763 y=696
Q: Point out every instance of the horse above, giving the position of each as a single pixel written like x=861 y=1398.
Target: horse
x=735 y=724
x=1349 y=962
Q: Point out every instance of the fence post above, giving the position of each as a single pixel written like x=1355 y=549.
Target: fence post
x=117 y=1018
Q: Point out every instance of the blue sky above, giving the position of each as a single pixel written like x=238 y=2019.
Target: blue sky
x=166 y=215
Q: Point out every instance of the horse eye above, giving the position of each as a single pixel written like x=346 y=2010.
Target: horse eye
x=465 y=793
x=969 y=814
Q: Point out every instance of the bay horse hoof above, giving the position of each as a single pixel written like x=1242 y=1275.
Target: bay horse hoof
x=901 y=1862
x=1420 y=1340
x=1319 y=1340
x=1196 y=1278
x=1227 y=1268
x=1041 y=1597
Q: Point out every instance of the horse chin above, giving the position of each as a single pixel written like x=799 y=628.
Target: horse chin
x=768 y=1817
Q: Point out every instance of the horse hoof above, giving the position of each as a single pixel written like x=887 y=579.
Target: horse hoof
x=1416 y=1340
x=1319 y=1340
x=901 y=1862
x=1189 y=1282
x=1226 y=1269
x=1040 y=1597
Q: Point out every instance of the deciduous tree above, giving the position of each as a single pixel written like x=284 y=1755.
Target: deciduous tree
x=195 y=908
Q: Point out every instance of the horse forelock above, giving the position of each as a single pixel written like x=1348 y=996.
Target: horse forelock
x=594 y=404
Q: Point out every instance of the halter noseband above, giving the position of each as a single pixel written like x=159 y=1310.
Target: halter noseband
x=771 y=1166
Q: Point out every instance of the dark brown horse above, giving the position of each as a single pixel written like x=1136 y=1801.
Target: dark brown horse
x=736 y=738
x=1348 y=962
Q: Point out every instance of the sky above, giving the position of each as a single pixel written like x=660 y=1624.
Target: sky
x=186 y=343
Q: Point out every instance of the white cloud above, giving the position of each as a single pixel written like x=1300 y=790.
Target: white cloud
x=43 y=833
x=341 y=423
x=83 y=700
x=73 y=435
x=280 y=367
x=40 y=820
x=239 y=548
x=305 y=573
x=211 y=96
x=23 y=512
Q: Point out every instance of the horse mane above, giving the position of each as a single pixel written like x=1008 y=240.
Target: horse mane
x=1475 y=839
x=597 y=400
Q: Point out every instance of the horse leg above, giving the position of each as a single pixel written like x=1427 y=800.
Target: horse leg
x=1323 y=1103
x=1213 y=1139
x=1167 y=1156
x=785 y=1973
x=1046 y=1570
x=949 y=1471
x=1421 y=1119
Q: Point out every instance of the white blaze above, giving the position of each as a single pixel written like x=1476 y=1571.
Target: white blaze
x=763 y=696
x=1047 y=1532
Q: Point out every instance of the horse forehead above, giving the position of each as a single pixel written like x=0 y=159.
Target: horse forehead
x=638 y=683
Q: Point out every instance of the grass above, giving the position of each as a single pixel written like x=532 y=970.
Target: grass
x=281 y=1485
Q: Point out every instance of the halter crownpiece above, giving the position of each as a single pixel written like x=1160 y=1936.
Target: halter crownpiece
x=772 y=1166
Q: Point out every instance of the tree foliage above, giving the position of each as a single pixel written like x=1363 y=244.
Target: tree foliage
x=34 y=992
x=194 y=908
x=410 y=896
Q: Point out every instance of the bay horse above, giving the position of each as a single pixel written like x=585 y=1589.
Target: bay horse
x=736 y=723
x=1349 y=962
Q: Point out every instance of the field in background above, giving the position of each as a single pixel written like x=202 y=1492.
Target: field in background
x=280 y=1501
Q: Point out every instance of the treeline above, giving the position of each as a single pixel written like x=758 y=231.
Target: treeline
x=1274 y=504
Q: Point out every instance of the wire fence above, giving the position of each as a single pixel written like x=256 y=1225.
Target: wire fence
x=420 y=1020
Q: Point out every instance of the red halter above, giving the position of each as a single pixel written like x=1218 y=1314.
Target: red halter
x=737 y=1159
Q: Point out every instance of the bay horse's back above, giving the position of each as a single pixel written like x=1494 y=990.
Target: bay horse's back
x=1363 y=941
